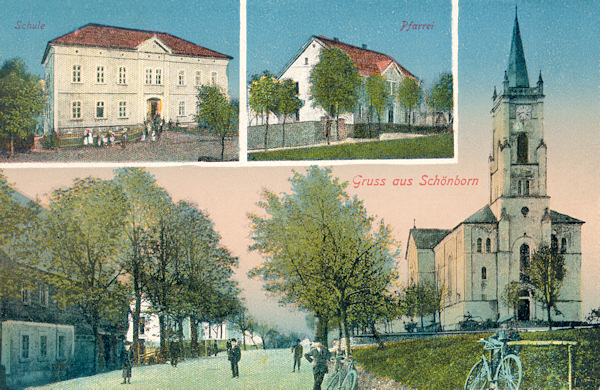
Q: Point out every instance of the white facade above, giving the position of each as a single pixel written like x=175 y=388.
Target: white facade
x=104 y=85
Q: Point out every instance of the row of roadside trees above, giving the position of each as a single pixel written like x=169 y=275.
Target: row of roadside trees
x=102 y=245
x=337 y=87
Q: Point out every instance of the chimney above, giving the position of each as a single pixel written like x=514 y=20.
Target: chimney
x=364 y=46
x=335 y=39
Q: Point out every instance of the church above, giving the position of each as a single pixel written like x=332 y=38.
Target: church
x=474 y=262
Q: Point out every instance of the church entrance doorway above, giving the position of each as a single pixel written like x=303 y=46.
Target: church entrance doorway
x=523 y=313
x=154 y=107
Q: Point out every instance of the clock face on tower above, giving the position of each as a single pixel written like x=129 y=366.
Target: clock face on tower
x=523 y=112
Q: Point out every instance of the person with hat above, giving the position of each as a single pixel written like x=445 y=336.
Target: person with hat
x=128 y=359
x=234 y=355
x=297 y=351
x=321 y=356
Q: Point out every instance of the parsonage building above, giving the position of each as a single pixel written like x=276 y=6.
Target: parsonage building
x=475 y=261
x=101 y=78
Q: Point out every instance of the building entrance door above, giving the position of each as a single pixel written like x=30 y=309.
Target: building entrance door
x=524 y=309
x=154 y=107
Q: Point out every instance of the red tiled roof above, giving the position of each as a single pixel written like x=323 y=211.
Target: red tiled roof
x=368 y=62
x=125 y=38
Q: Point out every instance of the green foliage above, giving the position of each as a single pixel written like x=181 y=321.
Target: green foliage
x=546 y=273
x=410 y=94
x=420 y=300
x=437 y=146
x=217 y=114
x=377 y=95
x=315 y=228
x=443 y=363
x=441 y=96
x=288 y=102
x=22 y=100
x=263 y=97
x=511 y=295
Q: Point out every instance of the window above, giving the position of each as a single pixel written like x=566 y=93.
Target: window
x=122 y=109
x=142 y=327
x=181 y=78
x=522 y=149
x=122 y=75
x=563 y=245
x=198 y=78
x=26 y=296
x=483 y=273
x=524 y=256
x=181 y=109
x=61 y=346
x=213 y=78
x=76 y=110
x=99 y=109
x=43 y=347
x=479 y=245
x=488 y=245
x=305 y=60
x=25 y=346
x=76 y=73
x=148 y=76
x=391 y=116
x=44 y=296
x=158 y=78
x=100 y=75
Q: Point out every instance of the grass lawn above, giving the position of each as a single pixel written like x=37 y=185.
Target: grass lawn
x=435 y=146
x=443 y=363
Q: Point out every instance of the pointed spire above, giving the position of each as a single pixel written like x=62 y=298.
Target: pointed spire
x=517 y=68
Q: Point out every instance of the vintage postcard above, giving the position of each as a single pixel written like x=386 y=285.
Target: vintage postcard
x=472 y=271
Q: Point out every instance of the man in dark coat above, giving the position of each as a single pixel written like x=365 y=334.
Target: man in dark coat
x=128 y=359
x=321 y=356
x=297 y=351
x=234 y=354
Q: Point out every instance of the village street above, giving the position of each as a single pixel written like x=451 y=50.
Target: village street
x=259 y=370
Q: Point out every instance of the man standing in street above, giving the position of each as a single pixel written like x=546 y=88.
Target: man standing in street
x=128 y=359
x=297 y=351
x=320 y=355
x=234 y=354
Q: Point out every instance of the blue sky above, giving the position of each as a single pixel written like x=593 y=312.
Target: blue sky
x=278 y=28
x=213 y=24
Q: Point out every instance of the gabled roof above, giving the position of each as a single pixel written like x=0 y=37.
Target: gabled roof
x=368 y=62
x=484 y=215
x=98 y=35
x=556 y=217
x=428 y=238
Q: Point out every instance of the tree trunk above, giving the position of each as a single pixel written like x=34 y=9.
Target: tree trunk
x=283 y=133
x=163 y=338
x=267 y=132
x=377 y=336
x=346 y=332
x=222 y=148
x=322 y=329
x=548 y=307
x=194 y=335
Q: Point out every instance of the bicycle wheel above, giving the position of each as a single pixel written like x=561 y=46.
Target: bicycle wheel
x=509 y=373
x=478 y=377
x=332 y=381
x=350 y=380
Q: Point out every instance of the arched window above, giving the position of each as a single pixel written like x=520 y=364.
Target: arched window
x=488 y=245
x=563 y=245
x=483 y=273
x=479 y=245
x=522 y=149
x=554 y=244
x=524 y=256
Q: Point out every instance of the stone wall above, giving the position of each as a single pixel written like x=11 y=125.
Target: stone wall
x=296 y=134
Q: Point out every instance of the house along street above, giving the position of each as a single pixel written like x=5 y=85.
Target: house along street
x=259 y=370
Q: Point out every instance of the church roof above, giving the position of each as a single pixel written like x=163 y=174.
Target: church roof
x=97 y=35
x=368 y=62
x=517 y=68
x=556 y=217
x=428 y=238
x=484 y=215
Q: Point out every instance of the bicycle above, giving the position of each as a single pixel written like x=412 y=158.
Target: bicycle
x=503 y=370
x=343 y=379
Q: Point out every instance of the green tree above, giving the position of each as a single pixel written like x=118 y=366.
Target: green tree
x=263 y=97
x=288 y=102
x=82 y=236
x=377 y=96
x=335 y=84
x=217 y=114
x=322 y=251
x=410 y=95
x=420 y=300
x=146 y=201
x=22 y=100
x=546 y=273
x=511 y=295
x=441 y=95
